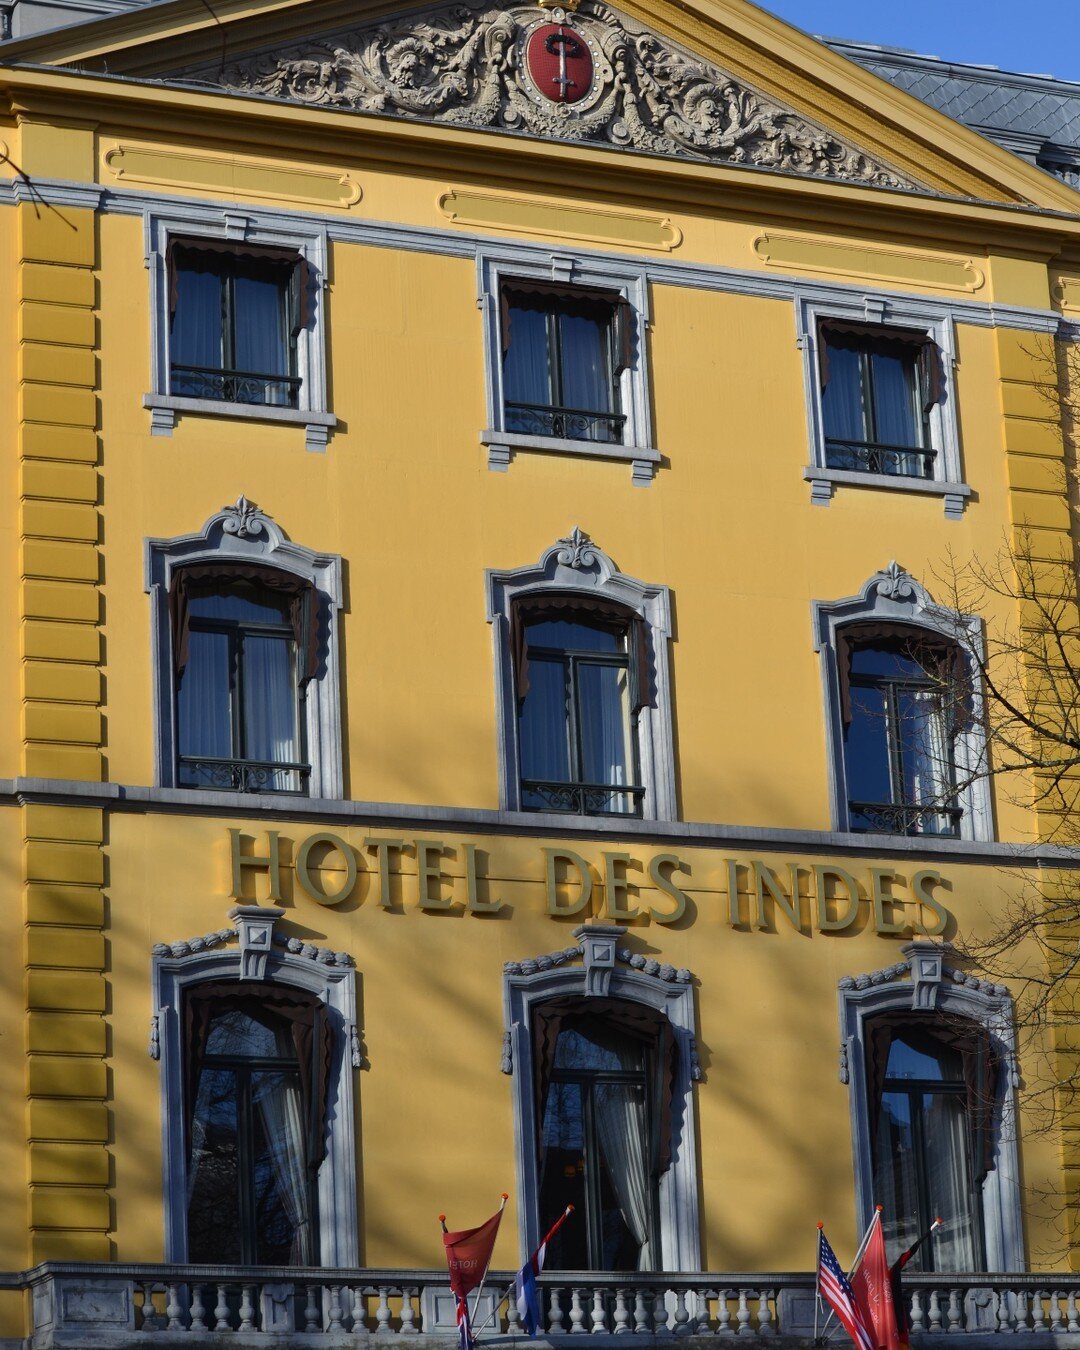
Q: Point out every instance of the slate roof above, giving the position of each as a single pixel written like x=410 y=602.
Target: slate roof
x=1035 y=115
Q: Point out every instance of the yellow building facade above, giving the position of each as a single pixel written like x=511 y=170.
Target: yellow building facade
x=568 y=453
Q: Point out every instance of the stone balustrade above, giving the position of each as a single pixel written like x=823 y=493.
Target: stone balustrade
x=102 y=1306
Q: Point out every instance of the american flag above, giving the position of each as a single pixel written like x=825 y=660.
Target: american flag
x=833 y=1287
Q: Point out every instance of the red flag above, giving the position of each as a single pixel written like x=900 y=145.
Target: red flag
x=872 y=1287
x=468 y=1254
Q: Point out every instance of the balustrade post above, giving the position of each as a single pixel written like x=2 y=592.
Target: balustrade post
x=247 y=1307
x=765 y=1326
x=173 y=1309
x=359 y=1312
x=935 y=1311
x=1055 y=1311
x=660 y=1313
x=335 y=1310
x=513 y=1318
x=1074 y=1325
x=221 y=1311
x=198 y=1312
x=916 y=1310
x=723 y=1314
x=599 y=1312
x=382 y=1312
x=1038 y=1316
x=555 y=1313
x=312 y=1317
x=641 y=1312
x=743 y=1316
x=1002 y=1310
x=149 y=1312
x=1021 y=1312
x=408 y=1313
x=682 y=1314
x=956 y=1318
x=577 y=1312
x=622 y=1316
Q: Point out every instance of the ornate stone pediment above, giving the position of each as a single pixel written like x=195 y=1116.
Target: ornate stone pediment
x=593 y=76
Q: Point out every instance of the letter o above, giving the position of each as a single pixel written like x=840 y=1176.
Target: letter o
x=317 y=894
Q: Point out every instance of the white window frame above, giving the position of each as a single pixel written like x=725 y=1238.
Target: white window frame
x=239 y=226
x=244 y=534
x=607 y=971
x=894 y=595
x=260 y=955
x=924 y=982
x=576 y=565
x=621 y=279
x=884 y=311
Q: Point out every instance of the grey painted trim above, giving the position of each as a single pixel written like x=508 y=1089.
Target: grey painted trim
x=243 y=534
x=933 y=317
x=574 y=267
x=577 y=564
x=823 y=481
x=893 y=594
x=459 y=243
x=859 y=1000
x=222 y=220
x=335 y=985
x=680 y=1228
x=140 y=799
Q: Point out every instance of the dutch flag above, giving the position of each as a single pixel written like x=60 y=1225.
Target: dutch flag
x=526 y=1291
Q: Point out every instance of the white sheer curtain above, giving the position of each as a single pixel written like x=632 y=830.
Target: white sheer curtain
x=842 y=398
x=269 y=700
x=203 y=698
x=621 y=1124
x=927 y=761
x=195 y=335
x=526 y=366
x=605 y=717
x=586 y=364
x=899 y=422
x=946 y=1130
x=544 y=744
x=277 y=1099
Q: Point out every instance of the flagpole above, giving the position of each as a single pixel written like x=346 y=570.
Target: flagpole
x=483 y=1278
x=817 y=1280
x=855 y=1264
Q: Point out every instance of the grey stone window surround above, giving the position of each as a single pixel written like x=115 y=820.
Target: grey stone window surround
x=587 y=269
x=244 y=534
x=577 y=565
x=932 y=985
x=607 y=971
x=885 y=310
x=244 y=226
x=894 y=595
x=264 y=956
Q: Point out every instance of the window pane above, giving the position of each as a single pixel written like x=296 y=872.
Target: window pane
x=625 y=1187
x=240 y=603
x=948 y=1182
x=259 y=337
x=214 y=1171
x=195 y=335
x=939 y=1065
x=543 y=723
x=203 y=707
x=566 y=635
x=842 y=396
x=526 y=368
x=895 y=1179
x=283 y=1221
x=894 y=398
x=866 y=748
x=562 y=1175
x=237 y=1035
x=586 y=361
x=269 y=700
x=924 y=748
x=889 y=662
x=592 y=1046
x=604 y=705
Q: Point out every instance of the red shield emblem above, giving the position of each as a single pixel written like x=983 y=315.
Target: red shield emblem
x=560 y=63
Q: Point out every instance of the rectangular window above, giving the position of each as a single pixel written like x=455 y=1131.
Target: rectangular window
x=235 y=313
x=878 y=385
x=564 y=350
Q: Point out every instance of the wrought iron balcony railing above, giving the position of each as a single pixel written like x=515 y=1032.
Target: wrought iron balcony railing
x=905 y=818
x=582 y=799
x=571 y=424
x=76 y=1305
x=898 y=461
x=243 y=775
x=235 y=386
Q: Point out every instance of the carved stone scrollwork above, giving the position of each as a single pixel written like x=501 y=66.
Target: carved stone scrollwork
x=468 y=64
x=506 y=1063
x=154 y=1048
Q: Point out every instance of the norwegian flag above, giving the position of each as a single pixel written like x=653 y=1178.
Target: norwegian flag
x=526 y=1293
x=834 y=1288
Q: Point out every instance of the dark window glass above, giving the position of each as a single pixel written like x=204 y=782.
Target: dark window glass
x=924 y=1158
x=873 y=402
x=251 y=1198
x=576 y=730
x=231 y=336
x=559 y=367
x=598 y=1150
x=898 y=745
x=238 y=704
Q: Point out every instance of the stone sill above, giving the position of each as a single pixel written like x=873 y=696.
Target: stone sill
x=823 y=482
x=166 y=408
x=502 y=445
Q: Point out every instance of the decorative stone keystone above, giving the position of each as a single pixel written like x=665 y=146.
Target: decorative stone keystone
x=255 y=924
x=598 y=946
x=927 y=961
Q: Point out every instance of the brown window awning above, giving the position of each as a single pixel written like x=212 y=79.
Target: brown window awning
x=928 y=357
x=941 y=656
x=622 y=312
x=199 y=254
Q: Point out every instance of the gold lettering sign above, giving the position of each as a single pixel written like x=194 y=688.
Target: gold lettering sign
x=615 y=885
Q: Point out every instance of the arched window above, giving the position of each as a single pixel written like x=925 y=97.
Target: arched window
x=581 y=666
x=903 y=703
x=245 y=642
x=245 y=645
x=933 y=1084
x=903 y=712
x=257 y=1073
x=582 y=686
x=604 y=1092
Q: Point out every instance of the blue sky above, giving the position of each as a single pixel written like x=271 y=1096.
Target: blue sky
x=1042 y=36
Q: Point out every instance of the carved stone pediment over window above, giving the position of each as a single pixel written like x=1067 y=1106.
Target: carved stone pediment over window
x=591 y=76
